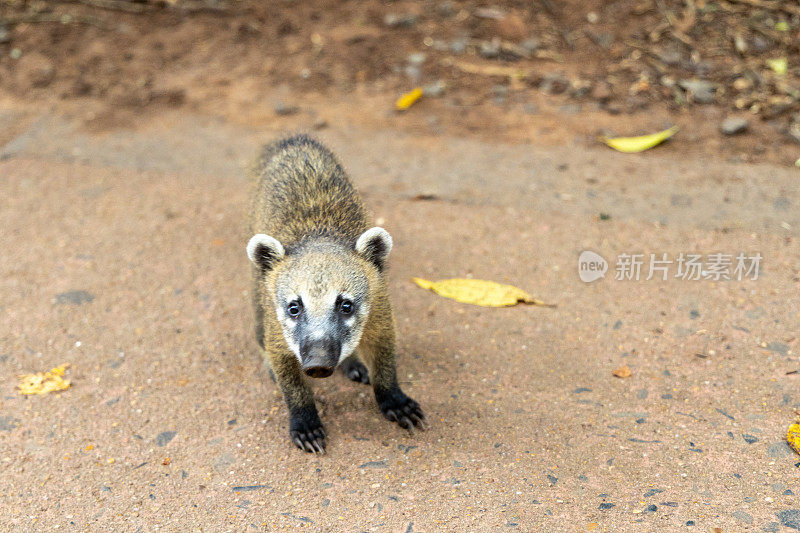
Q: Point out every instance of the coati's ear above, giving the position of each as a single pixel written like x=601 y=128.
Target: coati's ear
x=374 y=245
x=264 y=250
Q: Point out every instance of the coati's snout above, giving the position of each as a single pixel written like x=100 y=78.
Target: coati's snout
x=320 y=357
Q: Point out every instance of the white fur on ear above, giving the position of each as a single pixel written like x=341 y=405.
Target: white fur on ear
x=260 y=240
x=375 y=245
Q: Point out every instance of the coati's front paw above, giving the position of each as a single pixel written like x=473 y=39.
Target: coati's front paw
x=355 y=370
x=306 y=431
x=399 y=408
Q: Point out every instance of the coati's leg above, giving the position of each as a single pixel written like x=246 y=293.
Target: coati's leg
x=392 y=401
x=355 y=370
x=305 y=427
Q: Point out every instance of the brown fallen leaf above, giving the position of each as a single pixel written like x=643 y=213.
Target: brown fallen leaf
x=44 y=382
x=622 y=372
x=166 y=461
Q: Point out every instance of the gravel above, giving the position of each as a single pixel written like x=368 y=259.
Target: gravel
x=734 y=125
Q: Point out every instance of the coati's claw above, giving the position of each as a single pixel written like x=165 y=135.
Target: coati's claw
x=308 y=439
x=355 y=370
x=405 y=412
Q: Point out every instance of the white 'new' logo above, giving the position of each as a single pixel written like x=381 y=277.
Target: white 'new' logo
x=591 y=266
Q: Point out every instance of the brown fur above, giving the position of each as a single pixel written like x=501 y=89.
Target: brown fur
x=303 y=198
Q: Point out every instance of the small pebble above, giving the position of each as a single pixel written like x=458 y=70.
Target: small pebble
x=74 y=297
x=416 y=59
x=490 y=49
x=393 y=20
x=530 y=45
x=790 y=518
x=284 y=109
x=699 y=91
x=434 y=90
x=742 y=516
x=734 y=125
x=163 y=438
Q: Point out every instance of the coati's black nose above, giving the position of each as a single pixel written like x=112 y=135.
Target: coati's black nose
x=320 y=357
x=318 y=371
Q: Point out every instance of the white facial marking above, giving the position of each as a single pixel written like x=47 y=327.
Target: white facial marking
x=350 y=346
x=294 y=347
x=316 y=335
x=288 y=324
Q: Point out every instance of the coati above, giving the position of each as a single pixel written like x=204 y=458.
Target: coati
x=319 y=286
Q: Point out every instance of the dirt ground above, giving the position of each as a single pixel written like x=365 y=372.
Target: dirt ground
x=122 y=216
x=124 y=257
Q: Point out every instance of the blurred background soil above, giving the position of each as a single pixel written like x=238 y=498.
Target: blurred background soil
x=545 y=71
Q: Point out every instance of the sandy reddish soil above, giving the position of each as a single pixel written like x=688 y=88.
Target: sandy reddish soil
x=124 y=257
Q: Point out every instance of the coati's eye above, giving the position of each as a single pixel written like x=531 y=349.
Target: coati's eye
x=346 y=307
x=294 y=308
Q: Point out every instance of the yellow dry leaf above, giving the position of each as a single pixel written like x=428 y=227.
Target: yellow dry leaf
x=622 y=372
x=408 y=99
x=793 y=436
x=632 y=145
x=44 y=382
x=779 y=65
x=479 y=292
